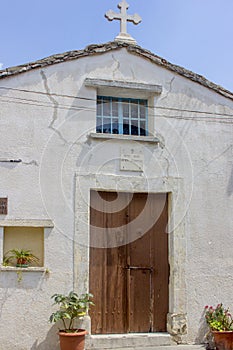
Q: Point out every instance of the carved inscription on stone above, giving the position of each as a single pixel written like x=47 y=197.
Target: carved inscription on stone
x=3 y=206
x=132 y=159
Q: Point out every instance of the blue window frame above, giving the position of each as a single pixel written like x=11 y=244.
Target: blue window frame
x=125 y=116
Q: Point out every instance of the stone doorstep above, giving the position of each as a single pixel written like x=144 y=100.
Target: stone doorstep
x=171 y=347
x=134 y=341
x=140 y=341
x=116 y=341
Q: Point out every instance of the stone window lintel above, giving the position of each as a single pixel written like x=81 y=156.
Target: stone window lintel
x=123 y=85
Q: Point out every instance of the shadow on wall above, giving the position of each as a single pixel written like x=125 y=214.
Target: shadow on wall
x=230 y=184
x=22 y=279
x=51 y=341
x=203 y=335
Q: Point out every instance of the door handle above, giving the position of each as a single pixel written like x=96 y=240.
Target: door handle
x=151 y=269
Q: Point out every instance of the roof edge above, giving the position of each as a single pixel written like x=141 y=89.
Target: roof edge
x=95 y=49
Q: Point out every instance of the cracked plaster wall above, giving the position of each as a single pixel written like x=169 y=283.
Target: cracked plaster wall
x=46 y=117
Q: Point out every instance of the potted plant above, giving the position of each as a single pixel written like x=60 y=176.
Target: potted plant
x=220 y=323
x=21 y=257
x=71 y=308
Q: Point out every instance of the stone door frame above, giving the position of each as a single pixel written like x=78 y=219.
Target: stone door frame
x=85 y=182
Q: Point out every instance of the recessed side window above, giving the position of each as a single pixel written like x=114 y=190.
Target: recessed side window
x=124 y=116
x=24 y=238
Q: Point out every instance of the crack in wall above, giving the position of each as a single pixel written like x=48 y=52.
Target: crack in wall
x=230 y=184
x=32 y=162
x=117 y=65
x=168 y=166
x=55 y=109
x=170 y=83
x=3 y=300
x=133 y=74
x=161 y=140
x=213 y=160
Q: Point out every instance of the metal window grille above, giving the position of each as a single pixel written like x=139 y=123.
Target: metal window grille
x=125 y=116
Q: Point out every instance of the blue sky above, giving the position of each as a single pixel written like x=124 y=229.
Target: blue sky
x=195 y=34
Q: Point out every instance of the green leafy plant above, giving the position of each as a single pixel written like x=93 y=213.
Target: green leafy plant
x=19 y=257
x=219 y=318
x=6 y=261
x=19 y=276
x=71 y=307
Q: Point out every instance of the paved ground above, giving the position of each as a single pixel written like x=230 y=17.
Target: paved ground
x=170 y=347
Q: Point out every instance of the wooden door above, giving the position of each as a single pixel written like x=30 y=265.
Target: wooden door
x=129 y=281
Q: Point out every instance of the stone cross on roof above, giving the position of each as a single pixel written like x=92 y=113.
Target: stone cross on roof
x=124 y=18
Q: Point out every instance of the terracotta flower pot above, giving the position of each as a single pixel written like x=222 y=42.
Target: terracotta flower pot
x=22 y=262
x=72 y=341
x=223 y=340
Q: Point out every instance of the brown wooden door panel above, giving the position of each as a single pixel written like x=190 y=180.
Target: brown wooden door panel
x=108 y=284
x=127 y=298
x=138 y=247
x=116 y=285
x=139 y=301
x=97 y=286
x=159 y=251
x=108 y=219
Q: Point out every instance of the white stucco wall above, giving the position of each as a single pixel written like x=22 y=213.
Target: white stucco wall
x=46 y=117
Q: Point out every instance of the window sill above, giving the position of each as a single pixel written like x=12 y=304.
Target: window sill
x=24 y=269
x=149 y=139
x=26 y=223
